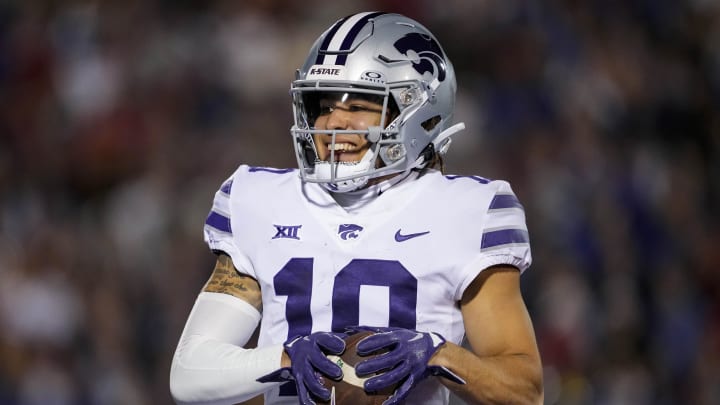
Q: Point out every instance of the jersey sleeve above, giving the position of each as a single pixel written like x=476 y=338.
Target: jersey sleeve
x=504 y=236
x=218 y=230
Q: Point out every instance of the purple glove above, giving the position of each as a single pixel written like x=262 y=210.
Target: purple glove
x=308 y=361
x=406 y=361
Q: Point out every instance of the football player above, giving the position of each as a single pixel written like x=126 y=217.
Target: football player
x=366 y=234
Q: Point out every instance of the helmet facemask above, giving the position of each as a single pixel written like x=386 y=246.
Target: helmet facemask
x=338 y=175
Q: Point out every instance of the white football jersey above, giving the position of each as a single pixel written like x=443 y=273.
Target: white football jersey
x=403 y=259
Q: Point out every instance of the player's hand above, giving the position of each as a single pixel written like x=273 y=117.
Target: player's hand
x=406 y=362
x=307 y=361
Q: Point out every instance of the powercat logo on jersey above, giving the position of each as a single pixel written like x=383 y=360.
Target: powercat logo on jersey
x=349 y=231
x=326 y=72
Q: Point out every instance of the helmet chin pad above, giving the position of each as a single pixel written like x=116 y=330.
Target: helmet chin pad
x=349 y=171
x=347 y=186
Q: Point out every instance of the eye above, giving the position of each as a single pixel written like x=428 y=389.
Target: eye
x=357 y=108
x=363 y=108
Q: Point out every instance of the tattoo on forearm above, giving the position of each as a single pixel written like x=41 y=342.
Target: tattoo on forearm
x=225 y=279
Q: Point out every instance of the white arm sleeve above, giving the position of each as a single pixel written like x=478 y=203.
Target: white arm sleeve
x=210 y=366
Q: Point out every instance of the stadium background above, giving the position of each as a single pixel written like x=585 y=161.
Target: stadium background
x=119 y=119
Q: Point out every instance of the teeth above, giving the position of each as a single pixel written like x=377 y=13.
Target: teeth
x=342 y=147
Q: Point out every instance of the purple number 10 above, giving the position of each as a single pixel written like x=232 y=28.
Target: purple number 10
x=295 y=279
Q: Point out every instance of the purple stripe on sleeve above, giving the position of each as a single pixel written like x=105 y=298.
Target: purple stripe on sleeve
x=505 y=201
x=481 y=180
x=269 y=170
x=504 y=237
x=227 y=187
x=219 y=222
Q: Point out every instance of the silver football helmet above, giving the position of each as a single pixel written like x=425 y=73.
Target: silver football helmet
x=384 y=57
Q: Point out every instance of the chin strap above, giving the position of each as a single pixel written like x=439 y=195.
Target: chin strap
x=441 y=144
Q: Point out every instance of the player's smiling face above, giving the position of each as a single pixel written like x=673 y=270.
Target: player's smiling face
x=345 y=111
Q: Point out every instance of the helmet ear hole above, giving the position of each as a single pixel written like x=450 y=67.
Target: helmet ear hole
x=428 y=154
x=430 y=123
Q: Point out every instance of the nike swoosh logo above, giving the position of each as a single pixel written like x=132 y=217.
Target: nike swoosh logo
x=399 y=237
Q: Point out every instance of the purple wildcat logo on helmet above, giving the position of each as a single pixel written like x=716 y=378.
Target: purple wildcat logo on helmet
x=428 y=51
x=349 y=231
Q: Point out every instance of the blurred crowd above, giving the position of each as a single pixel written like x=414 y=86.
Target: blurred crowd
x=120 y=119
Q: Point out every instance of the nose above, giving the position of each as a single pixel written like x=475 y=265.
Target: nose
x=338 y=119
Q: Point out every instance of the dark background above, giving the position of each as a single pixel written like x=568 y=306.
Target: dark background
x=120 y=119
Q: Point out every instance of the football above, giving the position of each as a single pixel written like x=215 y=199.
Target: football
x=350 y=390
